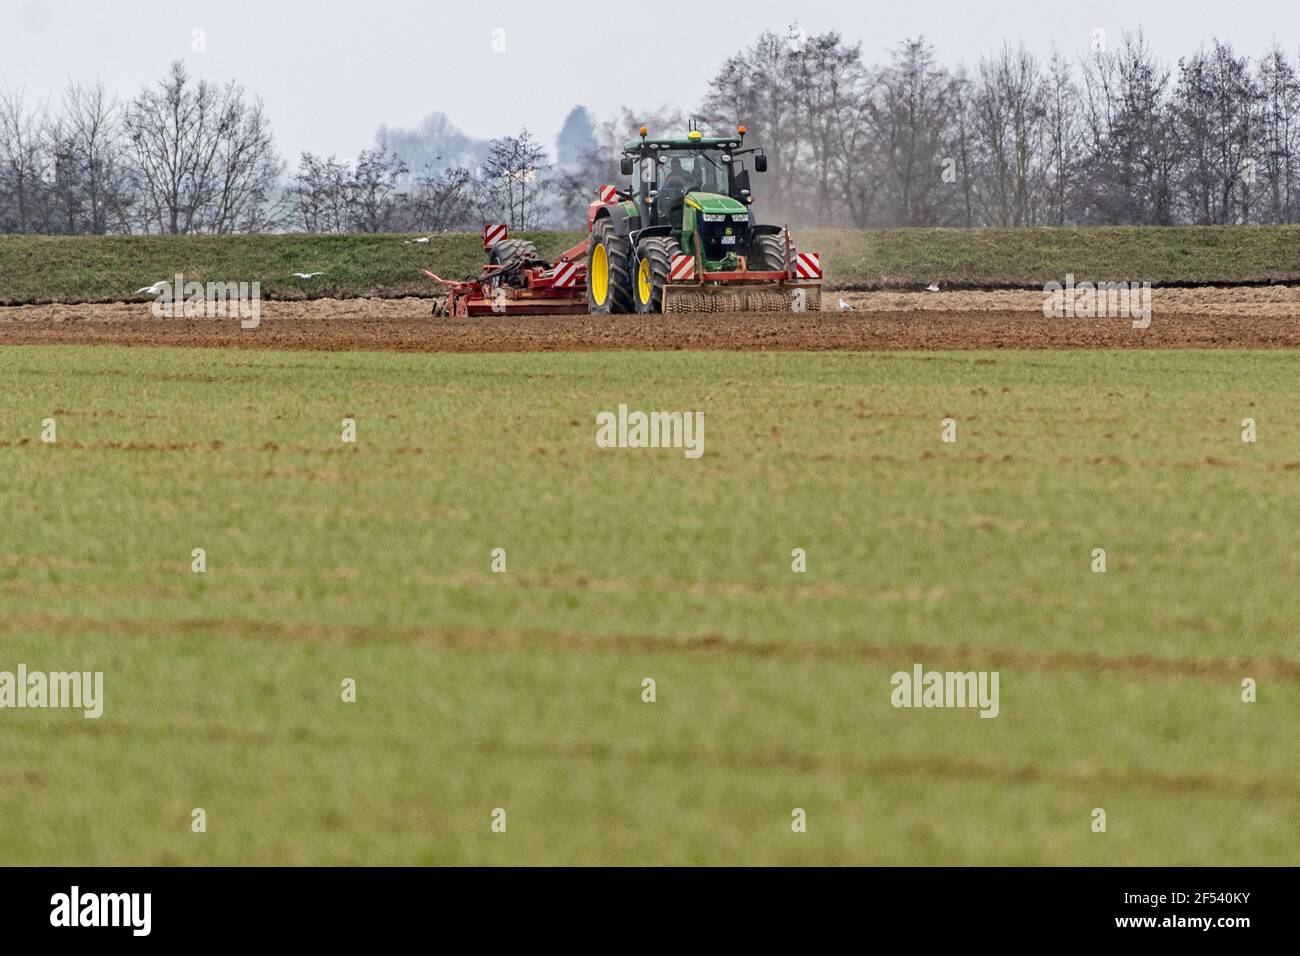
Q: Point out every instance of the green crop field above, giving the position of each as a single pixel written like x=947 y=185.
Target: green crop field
x=41 y=269
x=522 y=690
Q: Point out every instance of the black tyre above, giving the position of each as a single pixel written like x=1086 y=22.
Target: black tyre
x=654 y=256
x=767 y=253
x=512 y=254
x=609 y=281
x=508 y=250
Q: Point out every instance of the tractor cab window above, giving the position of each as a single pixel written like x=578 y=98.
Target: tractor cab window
x=686 y=171
x=696 y=169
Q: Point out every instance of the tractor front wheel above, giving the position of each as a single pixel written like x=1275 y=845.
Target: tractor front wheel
x=654 y=256
x=768 y=253
x=609 y=287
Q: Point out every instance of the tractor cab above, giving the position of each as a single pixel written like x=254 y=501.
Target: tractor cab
x=666 y=171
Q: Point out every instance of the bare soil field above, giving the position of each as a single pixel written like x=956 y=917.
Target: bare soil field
x=1265 y=301
x=1261 y=317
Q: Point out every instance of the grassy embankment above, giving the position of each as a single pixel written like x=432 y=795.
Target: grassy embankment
x=108 y=269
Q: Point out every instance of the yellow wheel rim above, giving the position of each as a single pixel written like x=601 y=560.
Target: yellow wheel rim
x=598 y=274
x=643 y=281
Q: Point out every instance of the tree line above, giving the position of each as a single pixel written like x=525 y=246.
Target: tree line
x=1111 y=137
x=187 y=156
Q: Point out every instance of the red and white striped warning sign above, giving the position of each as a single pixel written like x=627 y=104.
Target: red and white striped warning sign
x=607 y=193
x=565 y=275
x=494 y=233
x=808 y=265
x=681 y=269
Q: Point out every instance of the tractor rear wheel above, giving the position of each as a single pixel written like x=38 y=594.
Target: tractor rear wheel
x=654 y=256
x=609 y=286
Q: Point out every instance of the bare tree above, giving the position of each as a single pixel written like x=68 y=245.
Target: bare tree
x=911 y=115
x=511 y=180
x=832 y=83
x=92 y=175
x=22 y=163
x=439 y=201
x=248 y=173
x=958 y=167
x=1062 y=143
x=1009 y=110
x=203 y=156
x=754 y=88
x=1131 y=152
x=1277 y=147
x=318 y=195
x=804 y=99
x=372 y=191
x=1214 y=104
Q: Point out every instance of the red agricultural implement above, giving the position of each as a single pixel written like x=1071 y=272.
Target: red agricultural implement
x=516 y=280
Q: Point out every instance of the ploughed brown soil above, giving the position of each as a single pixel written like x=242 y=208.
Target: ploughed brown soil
x=1264 y=317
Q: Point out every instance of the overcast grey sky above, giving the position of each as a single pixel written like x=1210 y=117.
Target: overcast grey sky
x=331 y=72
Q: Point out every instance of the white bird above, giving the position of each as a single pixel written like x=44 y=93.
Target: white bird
x=421 y=240
x=307 y=275
x=932 y=287
x=154 y=289
x=845 y=307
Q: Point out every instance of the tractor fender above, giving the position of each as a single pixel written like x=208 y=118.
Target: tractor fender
x=622 y=215
x=638 y=234
x=766 y=230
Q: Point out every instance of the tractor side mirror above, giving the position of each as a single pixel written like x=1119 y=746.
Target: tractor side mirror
x=626 y=165
x=760 y=163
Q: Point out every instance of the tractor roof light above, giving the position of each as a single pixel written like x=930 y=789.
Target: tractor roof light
x=644 y=132
x=741 y=130
x=693 y=135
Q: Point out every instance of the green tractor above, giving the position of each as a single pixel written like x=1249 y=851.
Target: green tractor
x=684 y=238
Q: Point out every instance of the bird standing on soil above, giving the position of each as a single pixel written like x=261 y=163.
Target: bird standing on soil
x=307 y=275
x=932 y=287
x=152 y=289
x=845 y=307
